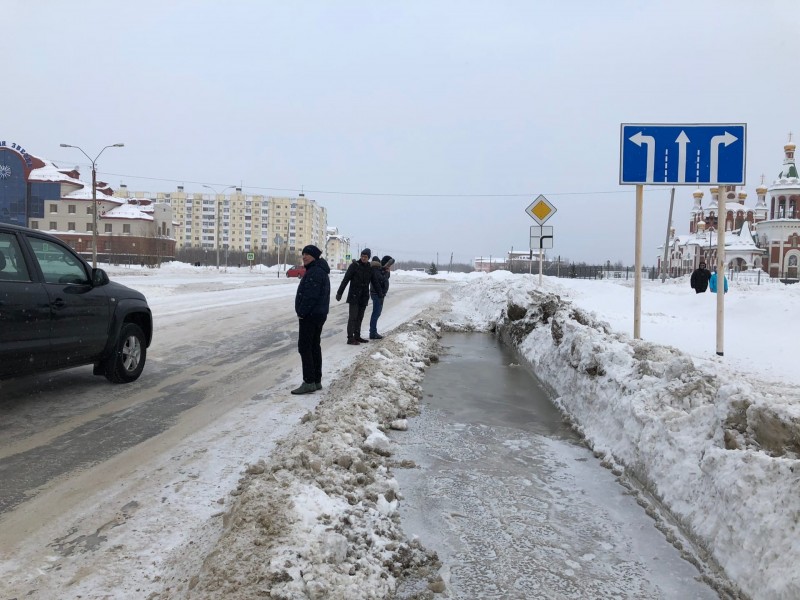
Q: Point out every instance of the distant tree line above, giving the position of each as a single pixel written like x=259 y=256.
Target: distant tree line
x=419 y=265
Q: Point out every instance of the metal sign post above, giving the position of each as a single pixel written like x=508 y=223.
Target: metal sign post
x=721 y=218
x=541 y=238
x=637 y=277
x=682 y=154
x=540 y=210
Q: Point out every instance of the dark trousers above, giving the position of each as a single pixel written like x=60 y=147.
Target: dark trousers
x=308 y=345
x=377 y=309
x=354 y=320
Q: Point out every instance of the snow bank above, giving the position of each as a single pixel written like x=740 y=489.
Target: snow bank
x=318 y=518
x=720 y=453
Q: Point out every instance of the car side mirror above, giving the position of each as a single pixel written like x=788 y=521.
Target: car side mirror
x=99 y=277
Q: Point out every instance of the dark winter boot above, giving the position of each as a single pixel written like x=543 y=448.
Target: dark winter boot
x=306 y=388
x=318 y=385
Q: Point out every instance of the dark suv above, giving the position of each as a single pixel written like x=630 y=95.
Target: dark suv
x=57 y=312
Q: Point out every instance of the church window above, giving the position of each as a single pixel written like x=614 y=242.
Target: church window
x=793 y=260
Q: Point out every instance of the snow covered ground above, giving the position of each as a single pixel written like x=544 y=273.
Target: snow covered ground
x=715 y=439
x=712 y=441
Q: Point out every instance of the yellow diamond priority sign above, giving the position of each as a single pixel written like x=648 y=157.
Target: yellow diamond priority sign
x=540 y=210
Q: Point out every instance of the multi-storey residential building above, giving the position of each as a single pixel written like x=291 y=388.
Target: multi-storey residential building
x=299 y=220
x=337 y=249
x=243 y=222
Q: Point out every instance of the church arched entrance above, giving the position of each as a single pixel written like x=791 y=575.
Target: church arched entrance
x=791 y=264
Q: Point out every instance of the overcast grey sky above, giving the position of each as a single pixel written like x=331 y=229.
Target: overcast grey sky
x=424 y=127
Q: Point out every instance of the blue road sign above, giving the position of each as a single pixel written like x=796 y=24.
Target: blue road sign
x=688 y=154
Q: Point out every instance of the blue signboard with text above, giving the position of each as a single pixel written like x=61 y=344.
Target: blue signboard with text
x=682 y=154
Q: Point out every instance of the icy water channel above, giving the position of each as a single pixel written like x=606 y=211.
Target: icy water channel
x=514 y=504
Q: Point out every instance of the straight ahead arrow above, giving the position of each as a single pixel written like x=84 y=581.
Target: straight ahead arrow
x=682 y=140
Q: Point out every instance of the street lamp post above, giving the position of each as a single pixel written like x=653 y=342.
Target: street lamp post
x=218 y=215
x=94 y=194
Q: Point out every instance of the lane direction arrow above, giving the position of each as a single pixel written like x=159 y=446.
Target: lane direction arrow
x=682 y=140
x=727 y=139
x=640 y=139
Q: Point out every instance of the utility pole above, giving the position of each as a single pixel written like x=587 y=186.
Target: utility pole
x=666 y=241
x=94 y=194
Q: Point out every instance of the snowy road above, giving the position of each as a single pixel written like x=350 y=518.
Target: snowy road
x=207 y=480
x=155 y=459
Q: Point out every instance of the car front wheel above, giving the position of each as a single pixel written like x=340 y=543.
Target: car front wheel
x=127 y=361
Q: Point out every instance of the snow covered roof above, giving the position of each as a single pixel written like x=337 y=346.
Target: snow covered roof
x=51 y=172
x=741 y=240
x=127 y=211
x=124 y=209
x=86 y=194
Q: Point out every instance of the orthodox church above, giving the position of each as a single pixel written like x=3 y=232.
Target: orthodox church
x=762 y=237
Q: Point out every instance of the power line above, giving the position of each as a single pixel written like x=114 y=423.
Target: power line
x=381 y=194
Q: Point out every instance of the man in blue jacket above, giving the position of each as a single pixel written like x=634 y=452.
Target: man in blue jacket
x=378 y=288
x=712 y=282
x=311 y=304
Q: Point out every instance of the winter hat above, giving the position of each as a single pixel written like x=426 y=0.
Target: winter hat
x=366 y=252
x=387 y=261
x=376 y=259
x=312 y=251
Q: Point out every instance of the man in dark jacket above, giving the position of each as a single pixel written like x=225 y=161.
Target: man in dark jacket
x=379 y=287
x=699 y=279
x=358 y=275
x=311 y=304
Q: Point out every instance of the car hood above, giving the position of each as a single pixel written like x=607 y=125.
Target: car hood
x=123 y=292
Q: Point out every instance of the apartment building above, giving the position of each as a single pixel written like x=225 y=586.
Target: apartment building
x=337 y=249
x=242 y=222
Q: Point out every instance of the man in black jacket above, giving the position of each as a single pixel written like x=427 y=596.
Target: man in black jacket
x=311 y=303
x=358 y=275
x=699 y=279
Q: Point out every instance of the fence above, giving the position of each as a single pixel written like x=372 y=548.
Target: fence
x=583 y=271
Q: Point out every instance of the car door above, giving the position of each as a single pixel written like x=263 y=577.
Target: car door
x=80 y=312
x=24 y=313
